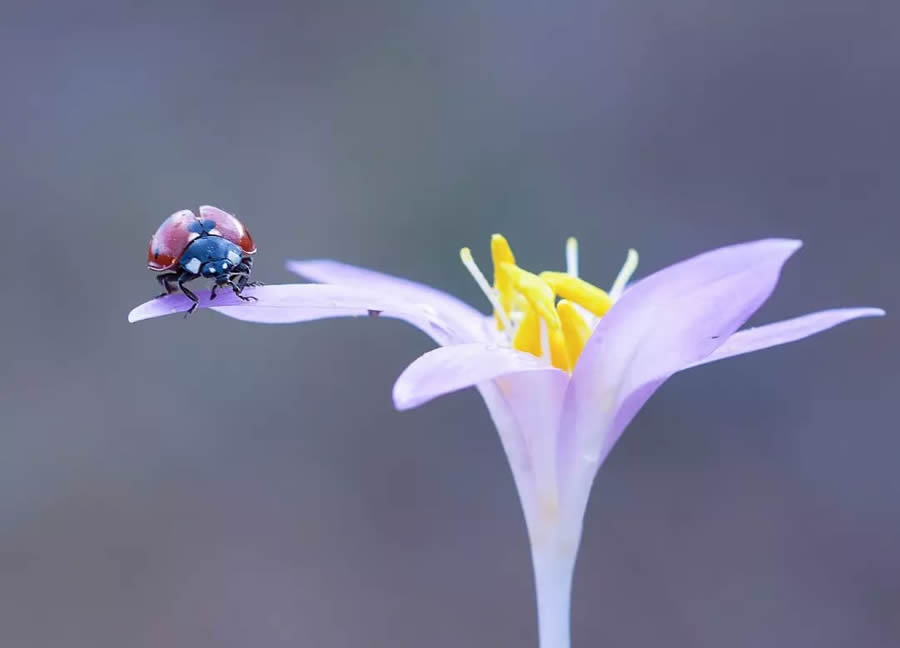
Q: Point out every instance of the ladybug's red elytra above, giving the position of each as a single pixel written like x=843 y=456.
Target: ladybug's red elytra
x=212 y=244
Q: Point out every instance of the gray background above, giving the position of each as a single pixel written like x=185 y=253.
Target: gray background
x=212 y=483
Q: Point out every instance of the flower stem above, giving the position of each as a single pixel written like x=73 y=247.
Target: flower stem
x=553 y=566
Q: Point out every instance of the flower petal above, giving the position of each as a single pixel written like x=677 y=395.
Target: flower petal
x=290 y=303
x=525 y=408
x=464 y=318
x=763 y=337
x=456 y=367
x=524 y=396
x=662 y=324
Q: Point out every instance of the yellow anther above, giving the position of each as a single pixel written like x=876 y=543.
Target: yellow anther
x=525 y=304
x=533 y=336
x=539 y=294
x=501 y=253
x=528 y=336
x=578 y=291
x=559 y=354
x=500 y=250
x=519 y=303
x=574 y=328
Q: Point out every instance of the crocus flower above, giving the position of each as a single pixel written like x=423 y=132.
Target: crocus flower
x=563 y=366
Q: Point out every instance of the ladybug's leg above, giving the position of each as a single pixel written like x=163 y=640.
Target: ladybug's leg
x=220 y=281
x=164 y=280
x=184 y=278
x=237 y=288
x=239 y=278
x=243 y=280
x=244 y=268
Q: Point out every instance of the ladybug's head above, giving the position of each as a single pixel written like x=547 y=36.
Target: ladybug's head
x=212 y=257
x=218 y=269
x=221 y=264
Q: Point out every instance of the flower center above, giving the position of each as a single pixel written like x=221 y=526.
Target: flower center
x=552 y=314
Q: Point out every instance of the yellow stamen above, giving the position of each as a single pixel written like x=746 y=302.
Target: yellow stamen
x=525 y=304
x=501 y=253
x=559 y=354
x=528 y=337
x=578 y=291
x=538 y=293
x=574 y=329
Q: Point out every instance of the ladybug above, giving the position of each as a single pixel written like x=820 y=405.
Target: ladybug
x=212 y=244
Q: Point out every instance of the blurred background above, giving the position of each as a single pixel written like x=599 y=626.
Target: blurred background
x=213 y=483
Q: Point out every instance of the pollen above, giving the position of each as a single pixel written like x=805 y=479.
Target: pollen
x=536 y=291
x=550 y=315
x=579 y=291
x=501 y=253
x=528 y=334
x=574 y=329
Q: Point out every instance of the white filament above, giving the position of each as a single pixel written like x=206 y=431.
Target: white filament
x=572 y=256
x=466 y=255
x=618 y=287
x=545 y=340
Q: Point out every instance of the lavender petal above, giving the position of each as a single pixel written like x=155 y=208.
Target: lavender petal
x=524 y=396
x=797 y=328
x=526 y=408
x=456 y=367
x=291 y=303
x=465 y=319
x=661 y=325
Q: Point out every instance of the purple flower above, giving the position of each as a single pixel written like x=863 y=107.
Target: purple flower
x=562 y=365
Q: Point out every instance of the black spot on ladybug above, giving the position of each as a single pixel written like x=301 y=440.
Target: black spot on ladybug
x=374 y=313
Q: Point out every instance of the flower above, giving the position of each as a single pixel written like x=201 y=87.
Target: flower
x=561 y=379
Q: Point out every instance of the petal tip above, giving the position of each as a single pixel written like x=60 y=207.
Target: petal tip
x=788 y=245
x=156 y=308
x=146 y=311
x=403 y=399
x=777 y=250
x=781 y=246
x=863 y=311
x=311 y=269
